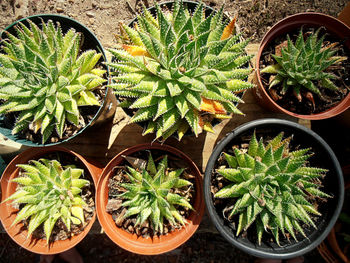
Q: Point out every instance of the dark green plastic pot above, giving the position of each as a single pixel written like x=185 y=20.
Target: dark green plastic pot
x=90 y=41
x=2 y=166
x=333 y=185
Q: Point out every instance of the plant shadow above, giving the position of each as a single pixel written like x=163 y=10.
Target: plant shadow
x=124 y=135
x=252 y=111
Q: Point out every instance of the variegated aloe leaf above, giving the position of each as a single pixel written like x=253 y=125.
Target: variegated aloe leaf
x=151 y=194
x=47 y=192
x=273 y=188
x=180 y=70
x=303 y=66
x=45 y=78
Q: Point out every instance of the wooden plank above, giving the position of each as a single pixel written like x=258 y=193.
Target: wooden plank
x=104 y=142
x=101 y=143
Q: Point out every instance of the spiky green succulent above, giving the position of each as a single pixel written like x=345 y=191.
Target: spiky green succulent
x=273 y=187
x=151 y=194
x=45 y=79
x=178 y=67
x=48 y=192
x=303 y=65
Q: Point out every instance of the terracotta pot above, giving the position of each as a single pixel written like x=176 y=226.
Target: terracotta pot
x=335 y=249
x=8 y=213
x=326 y=254
x=333 y=242
x=333 y=26
x=344 y=16
x=346 y=173
x=154 y=245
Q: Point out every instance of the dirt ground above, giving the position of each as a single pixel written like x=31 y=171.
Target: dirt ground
x=95 y=248
x=102 y=17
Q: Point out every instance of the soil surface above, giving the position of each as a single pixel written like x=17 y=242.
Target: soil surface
x=102 y=17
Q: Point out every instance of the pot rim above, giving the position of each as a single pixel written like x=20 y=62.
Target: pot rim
x=228 y=235
x=153 y=245
x=99 y=47
x=20 y=236
x=296 y=21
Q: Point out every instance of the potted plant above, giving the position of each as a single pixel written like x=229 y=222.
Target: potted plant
x=180 y=71
x=47 y=201
x=149 y=199
x=302 y=66
x=51 y=80
x=268 y=194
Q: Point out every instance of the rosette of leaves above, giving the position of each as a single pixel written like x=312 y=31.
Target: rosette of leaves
x=48 y=192
x=150 y=194
x=45 y=79
x=303 y=66
x=180 y=70
x=273 y=188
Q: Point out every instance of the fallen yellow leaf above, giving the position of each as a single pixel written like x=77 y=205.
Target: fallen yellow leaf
x=229 y=29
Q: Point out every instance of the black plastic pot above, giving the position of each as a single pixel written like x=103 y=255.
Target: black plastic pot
x=333 y=184
x=89 y=41
x=190 y=6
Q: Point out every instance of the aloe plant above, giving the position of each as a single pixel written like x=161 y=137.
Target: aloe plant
x=45 y=78
x=180 y=70
x=150 y=195
x=303 y=66
x=273 y=188
x=48 y=192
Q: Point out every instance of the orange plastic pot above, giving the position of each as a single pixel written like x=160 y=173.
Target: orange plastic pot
x=8 y=212
x=333 y=26
x=344 y=16
x=155 y=245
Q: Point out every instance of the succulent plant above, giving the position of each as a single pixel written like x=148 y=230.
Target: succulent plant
x=150 y=194
x=273 y=188
x=45 y=79
x=47 y=192
x=303 y=66
x=180 y=70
